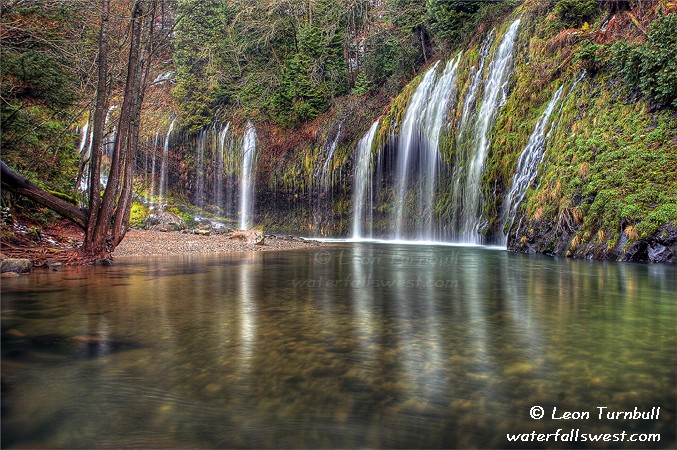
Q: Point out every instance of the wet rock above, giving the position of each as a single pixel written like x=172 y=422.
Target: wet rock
x=213 y=389
x=202 y=232
x=103 y=262
x=255 y=237
x=659 y=248
x=164 y=221
x=549 y=238
x=16 y=265
x=9 y=274
x=54 y=265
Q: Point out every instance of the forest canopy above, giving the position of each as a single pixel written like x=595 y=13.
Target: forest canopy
x=285 y=60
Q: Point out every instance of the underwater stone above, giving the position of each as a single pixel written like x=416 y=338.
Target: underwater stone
x=17 y=265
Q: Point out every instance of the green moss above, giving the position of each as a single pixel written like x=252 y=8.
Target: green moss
x=138 y=215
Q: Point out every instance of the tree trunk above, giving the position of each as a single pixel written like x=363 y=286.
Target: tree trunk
x=106 y=222
x=98 y=123
x=109 y=228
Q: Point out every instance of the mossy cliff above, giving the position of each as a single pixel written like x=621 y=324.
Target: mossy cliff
x=606 y=187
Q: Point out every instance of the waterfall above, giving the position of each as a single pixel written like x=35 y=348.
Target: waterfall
x=469 y=172
x=107 y=147
x=406 y=145
x=220 y=150
x=418 y=152
x=325 y=176
x=434 y=121
x=531 y=158
x=152 y=168
x=247 y=177
x=200 y=171
x=363 y=195
x=528 y=162
x=85 y=155
x=164 y=164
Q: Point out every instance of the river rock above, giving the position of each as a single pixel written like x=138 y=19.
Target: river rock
x=103 y=262
x=15 y=265
x=202 y=232
x=164 y=221
x=255 y=237
x=54 y=265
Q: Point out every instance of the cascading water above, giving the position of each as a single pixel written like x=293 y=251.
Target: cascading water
x=528 y=162
x=363 y=195
x=107 y=147
x=247 y=177
x=325 y=175
x=407 y=142
x=165 y=164
x=434 y=121
x=477 y=144
x=418 y=152
x=85 y=152
x=200 y=170
x=219 y=156
x=152 y=167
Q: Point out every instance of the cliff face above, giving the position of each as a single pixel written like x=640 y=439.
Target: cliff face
x=542 y=141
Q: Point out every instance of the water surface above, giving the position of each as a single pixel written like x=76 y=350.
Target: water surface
x=361 y=345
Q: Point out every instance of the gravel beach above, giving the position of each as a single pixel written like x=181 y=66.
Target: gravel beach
x=150 y=242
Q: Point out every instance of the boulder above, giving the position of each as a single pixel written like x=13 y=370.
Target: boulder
x=103 y=262
x=15 y=265
x=254 y=237
x=164 y=221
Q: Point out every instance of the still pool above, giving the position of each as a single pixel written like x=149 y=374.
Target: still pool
x=353 y=346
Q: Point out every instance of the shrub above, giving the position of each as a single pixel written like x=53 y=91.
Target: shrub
x=574 y=13
x=137 y=215
x=651 y=68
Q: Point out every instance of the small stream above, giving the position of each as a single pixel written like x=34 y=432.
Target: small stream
x=358 y=345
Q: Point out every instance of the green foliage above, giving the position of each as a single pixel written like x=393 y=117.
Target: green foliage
x=573 y=13
x=616 y=160
x=184 y=214
x=591 y=57
x=450 y=20
x=362 y=85
x=138 y=215
x=389 y=59
x=651 y=68
x=67 y=197
x=287 y=61
x=38 y=87
x=312 y=75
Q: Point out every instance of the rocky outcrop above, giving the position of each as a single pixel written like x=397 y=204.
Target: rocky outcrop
x=543 y=237
x=164 y=221
x=660 y=248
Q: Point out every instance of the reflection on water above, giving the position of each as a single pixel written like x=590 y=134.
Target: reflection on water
x=366 y=345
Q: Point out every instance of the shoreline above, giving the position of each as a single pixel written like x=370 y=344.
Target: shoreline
x=165 y=243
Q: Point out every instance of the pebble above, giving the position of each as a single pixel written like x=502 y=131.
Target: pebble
x=150 y=242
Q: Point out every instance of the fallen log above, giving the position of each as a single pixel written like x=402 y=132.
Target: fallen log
x=18 y=184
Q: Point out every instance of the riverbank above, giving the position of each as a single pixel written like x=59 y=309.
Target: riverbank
x=59 y=243
x=158 y=243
